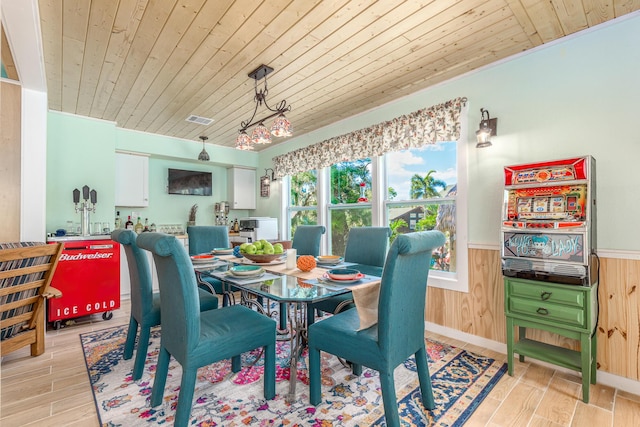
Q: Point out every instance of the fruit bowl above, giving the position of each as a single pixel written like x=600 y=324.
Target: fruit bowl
x=262 y=258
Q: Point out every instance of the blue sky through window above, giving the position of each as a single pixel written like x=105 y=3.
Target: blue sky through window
x=402 y=165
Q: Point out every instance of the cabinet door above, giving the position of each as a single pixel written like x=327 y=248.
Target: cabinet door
x=132 y=180
x=241 y=188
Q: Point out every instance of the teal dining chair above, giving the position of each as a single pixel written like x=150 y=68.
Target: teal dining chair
x=202 y=240
x=145 y=304
x=197 y=338
x=306 y=239
x=366 y=247
x=399 y=331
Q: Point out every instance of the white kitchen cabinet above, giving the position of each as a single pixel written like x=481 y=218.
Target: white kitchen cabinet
x=132 y=180
x=241 y=188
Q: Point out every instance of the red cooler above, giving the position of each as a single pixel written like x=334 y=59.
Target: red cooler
x=88 y=275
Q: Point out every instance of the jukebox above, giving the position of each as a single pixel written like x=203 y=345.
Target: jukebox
x=549 y=262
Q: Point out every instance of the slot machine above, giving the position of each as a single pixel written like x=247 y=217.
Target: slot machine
x=548 y=223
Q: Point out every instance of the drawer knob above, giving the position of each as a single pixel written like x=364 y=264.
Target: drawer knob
x=545 y=295
x=541 y=310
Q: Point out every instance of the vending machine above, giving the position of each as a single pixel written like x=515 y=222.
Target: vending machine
x=549 y=221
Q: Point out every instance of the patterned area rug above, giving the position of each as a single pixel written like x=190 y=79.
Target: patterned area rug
x=460 y=379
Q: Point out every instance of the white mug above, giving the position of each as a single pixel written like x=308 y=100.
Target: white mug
x=291 y=259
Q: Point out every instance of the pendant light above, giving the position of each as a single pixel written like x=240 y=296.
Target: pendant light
x=203 y=156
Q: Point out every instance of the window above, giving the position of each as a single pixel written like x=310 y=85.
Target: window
x=350 y=201
x=423 y=194
x=423 y=191
x=303 y=200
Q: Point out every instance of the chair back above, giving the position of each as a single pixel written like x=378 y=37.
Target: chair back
x=139 y=272
x=306 y=239
x=367 y=245
x=179 y=301
x=403 y=290
x=26 y=270
x=204 y=238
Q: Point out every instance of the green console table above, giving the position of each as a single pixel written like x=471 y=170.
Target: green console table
x=570 y=311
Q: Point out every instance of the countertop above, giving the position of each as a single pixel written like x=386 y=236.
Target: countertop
x=92 y=237
x=78 y=238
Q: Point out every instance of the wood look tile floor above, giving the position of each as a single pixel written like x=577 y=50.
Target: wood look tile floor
x=53 y=389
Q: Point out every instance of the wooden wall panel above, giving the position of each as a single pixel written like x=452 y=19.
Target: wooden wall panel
x=10 y=107
x=481 y=311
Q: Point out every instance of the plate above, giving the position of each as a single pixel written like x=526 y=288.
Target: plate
x=359 y=277
x=343 y=273
x=246 y=271
x=335 y=261
x=222 y=251
x=202 y=258
x=249 y=262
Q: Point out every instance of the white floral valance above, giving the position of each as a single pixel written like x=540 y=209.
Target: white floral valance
x=426 y=126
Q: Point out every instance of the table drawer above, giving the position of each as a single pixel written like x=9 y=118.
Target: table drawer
x=569 y=316
x=548 y=293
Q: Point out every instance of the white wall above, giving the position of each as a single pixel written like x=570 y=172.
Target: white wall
x=21 y=22
x=34 y=166
x=573 y=97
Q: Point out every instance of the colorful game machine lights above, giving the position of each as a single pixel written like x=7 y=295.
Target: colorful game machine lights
x=548 y=222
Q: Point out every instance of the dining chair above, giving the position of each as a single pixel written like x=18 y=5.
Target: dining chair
x=306 y=239
x=399 y=331
x=366 y=247
x=196 y=338
x=145 y=304
x=203 y=239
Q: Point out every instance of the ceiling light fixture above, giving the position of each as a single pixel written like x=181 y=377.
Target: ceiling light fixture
x=488 y=128
x=281 y=127
x=203 y=156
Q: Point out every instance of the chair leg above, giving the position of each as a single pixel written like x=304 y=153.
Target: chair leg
x=236 y=363
x=141 y=353
x=37 y=347
x=425 y=379
x=270 y=371
x=185 y=398
x=131 y=338
x=389 y=399
x=283 y=316
x=311 y=318
x=157 y=392
x=315 y=379
x=356 y=369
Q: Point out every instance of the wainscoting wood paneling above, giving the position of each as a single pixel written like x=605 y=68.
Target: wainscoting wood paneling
x=10 y=119
x=481 y=311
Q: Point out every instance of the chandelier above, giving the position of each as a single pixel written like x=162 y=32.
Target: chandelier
x=281 y=127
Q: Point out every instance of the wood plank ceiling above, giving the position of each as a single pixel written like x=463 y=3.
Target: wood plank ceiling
x=149 y=64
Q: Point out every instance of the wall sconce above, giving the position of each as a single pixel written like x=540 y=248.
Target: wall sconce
x=268 y=179
x=488 y=128
x=265 y=182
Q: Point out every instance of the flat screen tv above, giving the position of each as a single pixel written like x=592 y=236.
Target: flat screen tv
x=192 y=183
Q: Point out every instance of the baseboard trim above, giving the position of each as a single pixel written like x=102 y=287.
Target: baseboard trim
x=605 y=378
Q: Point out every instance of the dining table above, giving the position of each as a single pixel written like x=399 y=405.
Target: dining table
x=296 y=288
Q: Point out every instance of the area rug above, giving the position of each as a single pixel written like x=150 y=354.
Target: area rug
x=460 y=379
